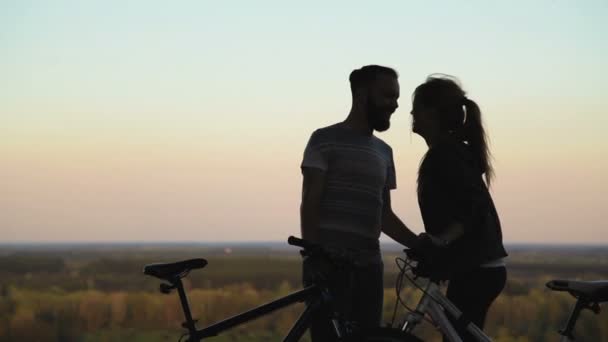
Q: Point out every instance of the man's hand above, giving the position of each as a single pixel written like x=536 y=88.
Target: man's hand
x=317 y=267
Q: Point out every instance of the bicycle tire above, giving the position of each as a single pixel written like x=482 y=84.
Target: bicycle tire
x=383 y=335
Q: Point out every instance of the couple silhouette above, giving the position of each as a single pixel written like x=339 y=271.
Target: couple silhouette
x=348 y=174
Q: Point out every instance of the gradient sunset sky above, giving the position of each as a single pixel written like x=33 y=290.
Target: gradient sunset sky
x=186 y=120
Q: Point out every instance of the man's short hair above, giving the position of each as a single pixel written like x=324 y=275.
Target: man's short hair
x=364 y=76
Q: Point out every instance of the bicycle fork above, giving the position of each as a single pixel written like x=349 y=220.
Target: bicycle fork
x=436 y=305
x=427 y=304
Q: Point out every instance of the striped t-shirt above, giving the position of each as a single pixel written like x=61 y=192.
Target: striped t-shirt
x=358 y=169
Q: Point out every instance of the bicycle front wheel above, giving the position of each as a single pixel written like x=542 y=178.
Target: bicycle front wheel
x=383 y=335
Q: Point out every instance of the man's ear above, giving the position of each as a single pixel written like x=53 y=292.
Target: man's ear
x=361 y=95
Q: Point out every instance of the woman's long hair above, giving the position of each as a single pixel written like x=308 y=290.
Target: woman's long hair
x=457 y=115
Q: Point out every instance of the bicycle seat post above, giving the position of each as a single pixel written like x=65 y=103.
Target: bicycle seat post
x=576 y=310
x=189 y=324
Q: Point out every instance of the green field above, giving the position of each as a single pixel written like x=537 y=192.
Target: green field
x=98 y=292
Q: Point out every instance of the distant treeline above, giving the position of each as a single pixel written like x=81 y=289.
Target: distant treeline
x=102 y=295
x=121 y=270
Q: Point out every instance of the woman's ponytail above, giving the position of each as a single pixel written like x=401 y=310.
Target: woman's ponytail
x=475 y=135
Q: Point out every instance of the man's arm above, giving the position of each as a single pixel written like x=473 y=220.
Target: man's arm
x=313 y=186
x=394 y=227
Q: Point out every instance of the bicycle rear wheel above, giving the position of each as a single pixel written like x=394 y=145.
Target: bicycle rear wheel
x=383 y=335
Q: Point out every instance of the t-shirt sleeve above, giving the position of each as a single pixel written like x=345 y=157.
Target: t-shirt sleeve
x=315 y=153
x=391 y=177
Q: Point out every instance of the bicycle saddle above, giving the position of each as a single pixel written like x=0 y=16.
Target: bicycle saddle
x=173 y=270
x=594 y=291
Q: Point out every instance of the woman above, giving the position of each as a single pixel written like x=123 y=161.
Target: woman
x=456 y=207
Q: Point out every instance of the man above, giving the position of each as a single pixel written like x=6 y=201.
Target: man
x=348 y=174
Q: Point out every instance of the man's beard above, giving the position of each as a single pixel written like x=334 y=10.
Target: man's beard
x=378 y=117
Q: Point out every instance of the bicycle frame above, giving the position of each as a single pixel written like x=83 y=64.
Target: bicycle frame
x=435 y=304
x=312 y=295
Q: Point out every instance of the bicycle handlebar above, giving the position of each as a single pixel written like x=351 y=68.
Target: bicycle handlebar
x=309 y=248
x=336 y=257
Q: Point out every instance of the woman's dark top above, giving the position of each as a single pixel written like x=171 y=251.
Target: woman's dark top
x=451 y=189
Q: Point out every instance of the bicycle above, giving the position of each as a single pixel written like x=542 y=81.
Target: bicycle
x=589 y=295
x=316 y=297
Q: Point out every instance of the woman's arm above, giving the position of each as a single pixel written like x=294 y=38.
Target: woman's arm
x=453 y=232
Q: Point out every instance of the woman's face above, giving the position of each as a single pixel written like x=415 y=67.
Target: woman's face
x=423 y=120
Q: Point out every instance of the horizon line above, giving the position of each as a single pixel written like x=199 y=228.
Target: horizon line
x=228 y=243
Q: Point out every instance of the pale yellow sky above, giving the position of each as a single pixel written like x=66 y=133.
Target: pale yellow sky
x=247 y=188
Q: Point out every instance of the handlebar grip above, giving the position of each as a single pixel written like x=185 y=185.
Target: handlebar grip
x=294 y=241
